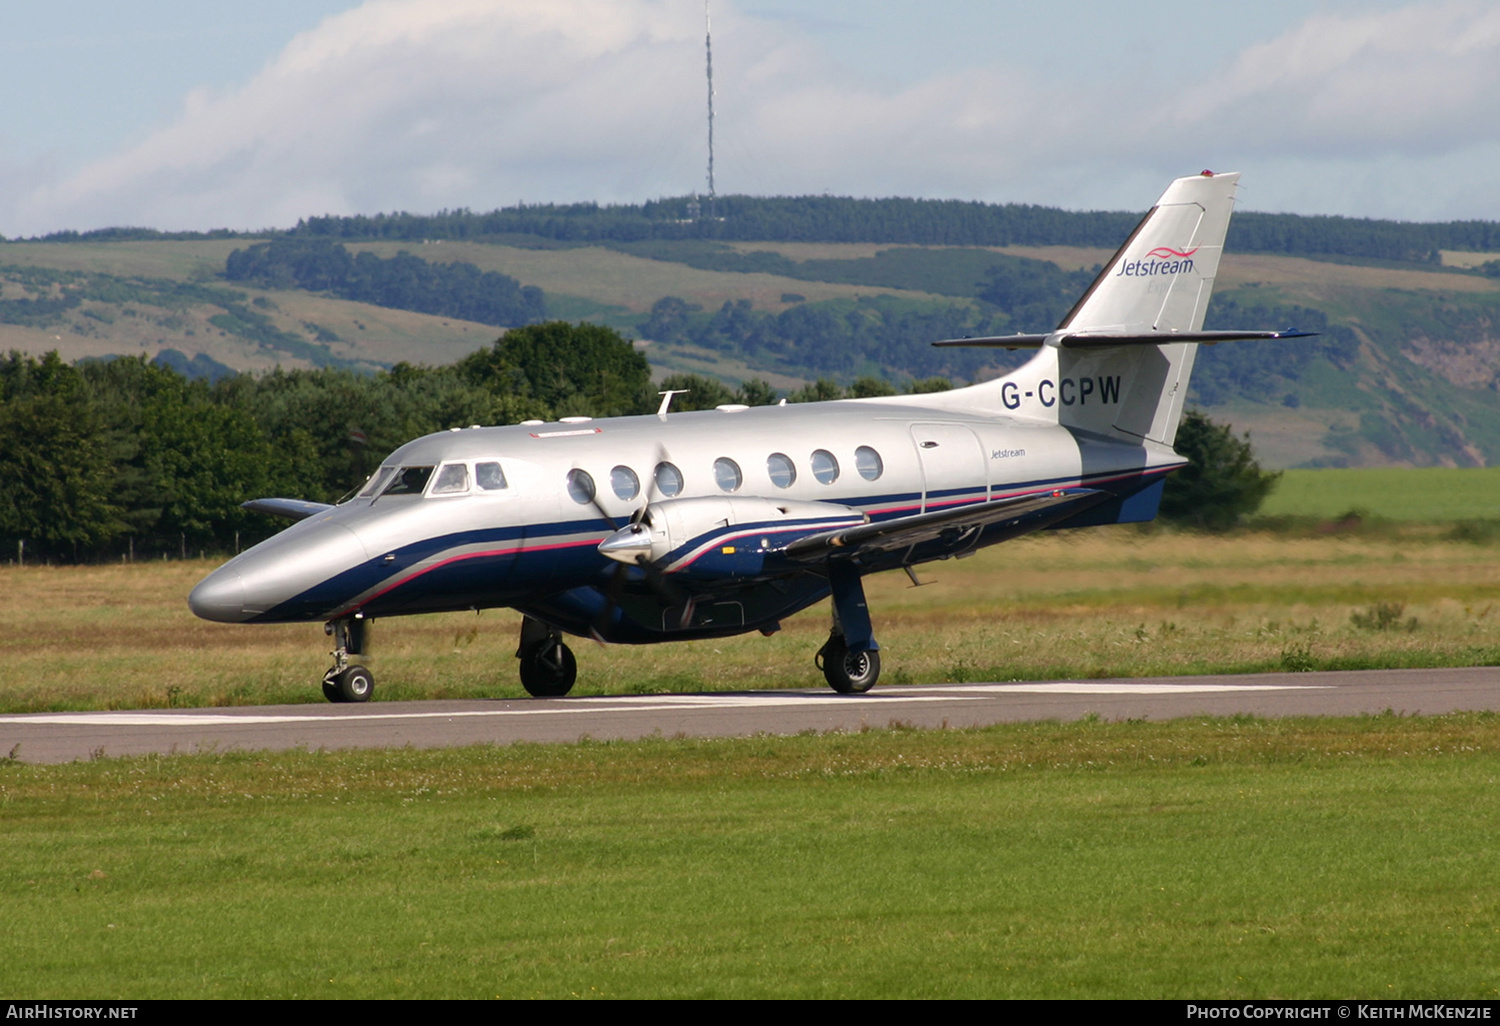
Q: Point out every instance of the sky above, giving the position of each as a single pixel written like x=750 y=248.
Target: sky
x=198 y=114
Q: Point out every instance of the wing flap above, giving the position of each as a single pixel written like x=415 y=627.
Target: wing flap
x=885 y=535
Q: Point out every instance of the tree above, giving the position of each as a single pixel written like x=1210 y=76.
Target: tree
x=573 y=368
x=1222 y=481
x=58 y=478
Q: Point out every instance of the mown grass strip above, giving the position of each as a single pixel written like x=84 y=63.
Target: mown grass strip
x=1426 y=494
x=1212 y=858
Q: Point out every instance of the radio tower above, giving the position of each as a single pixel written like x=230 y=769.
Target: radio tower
x=708 y=44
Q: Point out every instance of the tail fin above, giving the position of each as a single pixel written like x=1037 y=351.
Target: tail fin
x=1161 y=278
x=1110 y=367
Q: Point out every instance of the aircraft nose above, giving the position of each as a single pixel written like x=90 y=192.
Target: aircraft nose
x=220 y=596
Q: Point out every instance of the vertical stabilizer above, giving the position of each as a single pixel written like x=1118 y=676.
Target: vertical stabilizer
x=1111 y=367
x=1160 y=280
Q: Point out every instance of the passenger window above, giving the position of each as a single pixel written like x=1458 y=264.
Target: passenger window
x=668 y=479
x=581 y=486
x=452 y=479
x=626 y=485
x=783 y=472
x=824 y=467
x=489 y=476
x=377 y=482
x=410 y=481
x=727 y=474
x=867 y=461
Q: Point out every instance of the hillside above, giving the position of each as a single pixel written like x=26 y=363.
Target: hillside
x=1405 y=372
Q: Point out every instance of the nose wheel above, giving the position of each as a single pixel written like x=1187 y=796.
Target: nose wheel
x=345 y=681
x=352 y=684
x=548 y=668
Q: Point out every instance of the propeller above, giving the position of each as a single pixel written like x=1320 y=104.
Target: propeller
x=665 y=591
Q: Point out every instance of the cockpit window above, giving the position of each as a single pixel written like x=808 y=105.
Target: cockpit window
x=489 y=476
x=377 y=482
x=410 y=481
x=452 y=479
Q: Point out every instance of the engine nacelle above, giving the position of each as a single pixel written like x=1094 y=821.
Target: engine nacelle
x=733 y=534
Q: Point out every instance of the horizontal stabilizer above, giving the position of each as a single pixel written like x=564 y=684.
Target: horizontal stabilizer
x=1084 y=340
x=290 y=509
x=904 y=531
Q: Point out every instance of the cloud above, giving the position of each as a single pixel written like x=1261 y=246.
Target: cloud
x=406 y=104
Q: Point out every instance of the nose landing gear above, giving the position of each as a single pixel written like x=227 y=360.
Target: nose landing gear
x=346 y=682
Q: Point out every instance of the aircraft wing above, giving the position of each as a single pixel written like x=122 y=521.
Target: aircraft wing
x=886 y=535
x=291 y=509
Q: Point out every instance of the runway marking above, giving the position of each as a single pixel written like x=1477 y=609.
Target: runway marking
x=649 y=703
x=1069 y=687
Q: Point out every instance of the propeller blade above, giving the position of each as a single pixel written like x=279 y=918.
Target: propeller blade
x=612 y=592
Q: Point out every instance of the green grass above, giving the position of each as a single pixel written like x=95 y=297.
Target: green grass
x=1216 y=858
x=1423 y=494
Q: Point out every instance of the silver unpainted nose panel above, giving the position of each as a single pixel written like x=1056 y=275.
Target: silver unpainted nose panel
x=276 y=571
x=220 y=596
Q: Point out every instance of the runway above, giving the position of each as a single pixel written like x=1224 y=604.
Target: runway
x=64 y=737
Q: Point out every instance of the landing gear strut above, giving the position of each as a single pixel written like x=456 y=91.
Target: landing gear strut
x=548 y=668
x=346 y=682
x=850 y=659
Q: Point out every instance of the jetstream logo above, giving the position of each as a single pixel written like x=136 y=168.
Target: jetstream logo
x=1161 y=260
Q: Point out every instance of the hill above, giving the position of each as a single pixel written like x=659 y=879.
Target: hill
x=1405 y=371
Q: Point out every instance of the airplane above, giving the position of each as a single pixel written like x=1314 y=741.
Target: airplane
x=705 y=524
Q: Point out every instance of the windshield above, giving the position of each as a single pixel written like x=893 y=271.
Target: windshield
x=377 y=481
x=410 y=481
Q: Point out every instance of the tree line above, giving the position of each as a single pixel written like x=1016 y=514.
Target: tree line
x=108 y=458
x=902 y=221
x=401 y=282
x=893 y=220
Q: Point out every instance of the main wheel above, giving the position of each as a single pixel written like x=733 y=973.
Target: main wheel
x=549 y=670
x=331 y=691
x=355 y=684
x=849 y=673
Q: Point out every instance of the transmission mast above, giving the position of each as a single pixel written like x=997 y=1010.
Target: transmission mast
x=708 y=44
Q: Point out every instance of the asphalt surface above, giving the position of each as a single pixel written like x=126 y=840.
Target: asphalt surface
x=64 y=737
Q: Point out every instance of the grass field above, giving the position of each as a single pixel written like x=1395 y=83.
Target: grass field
x=1423 y=494
x=1110 y=602
x=1237 y=858
x=1223 y=858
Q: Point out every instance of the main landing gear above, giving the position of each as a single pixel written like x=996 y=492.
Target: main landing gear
x=850 y=658
x=548 y=668
x=344 y=681
x=848 y=673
